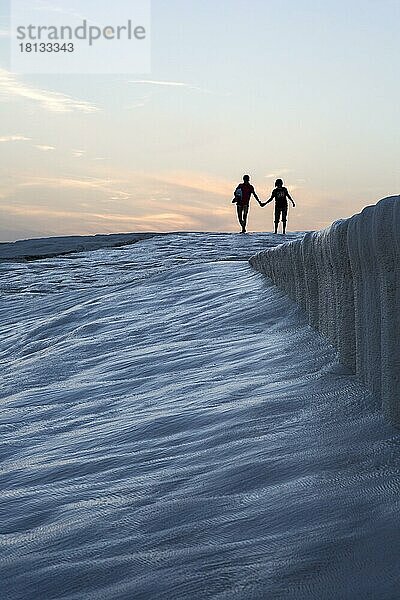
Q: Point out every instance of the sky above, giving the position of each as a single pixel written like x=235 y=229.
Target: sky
x=303 y=90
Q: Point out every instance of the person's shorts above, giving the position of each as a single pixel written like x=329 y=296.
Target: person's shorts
x=281 y=210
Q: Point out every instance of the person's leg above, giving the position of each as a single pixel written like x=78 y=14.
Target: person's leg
x=277 y=217
x=244 y=217
x=284 y=219
x=239 y=209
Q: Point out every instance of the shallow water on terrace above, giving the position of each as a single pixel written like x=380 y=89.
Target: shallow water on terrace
x=171 y=428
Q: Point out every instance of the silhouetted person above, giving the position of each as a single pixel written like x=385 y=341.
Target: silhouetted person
x=242 y=197
x=280 y=195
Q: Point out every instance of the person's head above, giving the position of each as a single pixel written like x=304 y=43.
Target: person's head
x=278 y=183
x=246 y=178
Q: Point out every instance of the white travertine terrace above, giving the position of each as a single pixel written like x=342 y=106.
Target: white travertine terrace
x=347 y=279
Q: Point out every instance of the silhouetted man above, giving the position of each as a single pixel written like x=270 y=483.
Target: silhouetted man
x=242 y=197
x=280 y=195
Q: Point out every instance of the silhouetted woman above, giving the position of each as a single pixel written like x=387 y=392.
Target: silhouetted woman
x=280 y=195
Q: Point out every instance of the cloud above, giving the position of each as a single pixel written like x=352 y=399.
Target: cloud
x=78 y=153
x=135 y=106
x=48 y=7
x=124 y=202
x=121 y=186
x=158 y=222
x=198 y=182
x=44 y=148
x=14 y=138
x=118 y=195
x=278 y=173
x=162 y=83
x=175 y=84
x=146 y=201
x=11 y=87
x=108 y=187
x=155 y=221
x=64 y=182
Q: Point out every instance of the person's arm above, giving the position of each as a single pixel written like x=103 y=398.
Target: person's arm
x=267 y=202
x=256 y=197
x=272 y=197
x=290 y=198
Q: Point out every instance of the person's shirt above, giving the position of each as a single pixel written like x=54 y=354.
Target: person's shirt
x=280 y=195
x=247 y=191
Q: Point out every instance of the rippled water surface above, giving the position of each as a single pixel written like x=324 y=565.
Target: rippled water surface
x=172 y=429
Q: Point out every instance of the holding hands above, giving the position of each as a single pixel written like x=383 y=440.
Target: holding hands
x=262 y=204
